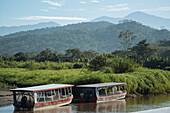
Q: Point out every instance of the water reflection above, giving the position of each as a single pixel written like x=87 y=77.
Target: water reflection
x=115 y=106
x=147 y=102
x=63 y=109
x=127 y=105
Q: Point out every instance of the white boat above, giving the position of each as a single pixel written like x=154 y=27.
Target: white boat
x=101 y=92
x=30 y=98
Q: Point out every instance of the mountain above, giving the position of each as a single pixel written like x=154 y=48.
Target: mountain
x=146 y=19
x=7 y=30
x=98 y=36
x=108 y=19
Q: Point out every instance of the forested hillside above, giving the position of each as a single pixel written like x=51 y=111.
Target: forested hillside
x=98 y=36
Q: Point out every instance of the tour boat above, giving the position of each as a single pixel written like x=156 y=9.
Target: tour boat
x=30 y=98
x=99 y=92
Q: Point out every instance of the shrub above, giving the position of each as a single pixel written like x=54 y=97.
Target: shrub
x=97 y=63
x=157 y=62
x=108 y=70
x=122 y=65
x=167 y=68
x=143 y=81
x=77 y=66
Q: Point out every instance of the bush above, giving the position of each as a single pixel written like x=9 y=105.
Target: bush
x=143 y=81
x=108 y=70
x=122 y=65
x=157 y=62
x=77 y=66
x=167 y=68
x=98 y=63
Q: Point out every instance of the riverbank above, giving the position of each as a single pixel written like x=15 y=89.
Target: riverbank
x=6 y=97
x=143 y=81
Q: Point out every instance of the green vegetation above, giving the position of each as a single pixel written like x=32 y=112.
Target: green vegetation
x=143 y=81
x=138 y=66
x=98 y=36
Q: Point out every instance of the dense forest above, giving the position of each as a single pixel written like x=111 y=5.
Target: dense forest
x=98 y=36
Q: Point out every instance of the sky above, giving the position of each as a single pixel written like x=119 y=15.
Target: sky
x=23 y=12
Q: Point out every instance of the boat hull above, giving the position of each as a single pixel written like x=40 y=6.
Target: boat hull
x=44 y=105
x=102 y=98
x=111 y=98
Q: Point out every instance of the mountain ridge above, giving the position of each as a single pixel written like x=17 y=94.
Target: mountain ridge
x=5 y=30
x=102 y=38
x=144 y=18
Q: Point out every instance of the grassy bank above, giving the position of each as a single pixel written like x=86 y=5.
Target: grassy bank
x=143 y=81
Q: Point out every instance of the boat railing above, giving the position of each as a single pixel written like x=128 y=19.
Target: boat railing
x=105 y=92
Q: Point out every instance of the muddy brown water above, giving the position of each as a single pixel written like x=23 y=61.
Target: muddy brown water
x=120 y=106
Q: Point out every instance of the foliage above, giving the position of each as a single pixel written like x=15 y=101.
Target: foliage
x=20 y=56
x=100 y=37
x=77 y=65
x=32 y=65
x=97 y=63
x=143 y=49
x=157 y=62
x=143 y=81
x=46 y=55
x=126 y=39
x=122 y=65
x=74 y=54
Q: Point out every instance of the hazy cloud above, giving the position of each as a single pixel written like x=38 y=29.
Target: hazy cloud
x=117 y=7
x=121 y=5
x=52 y=3
x=49 y=18
x=95 y=1
x=44 y=10
x=83 y=2
x=157 y=9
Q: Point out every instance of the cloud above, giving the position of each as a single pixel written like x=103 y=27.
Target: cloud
x=121 y=5
x=156 y=9
x=117 y=7
x=44 y=10
x=49 y=18
x=83 y=2
x=52 y=3
x=95 y=1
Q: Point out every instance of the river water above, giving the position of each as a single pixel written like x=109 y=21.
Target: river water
x=122 y=106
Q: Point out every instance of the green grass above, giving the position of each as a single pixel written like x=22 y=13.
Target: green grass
x=143 y=81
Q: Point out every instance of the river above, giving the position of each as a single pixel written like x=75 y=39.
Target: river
x=122 y=106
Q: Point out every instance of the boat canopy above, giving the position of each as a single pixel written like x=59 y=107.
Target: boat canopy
x=102 y=85
x=42 y=88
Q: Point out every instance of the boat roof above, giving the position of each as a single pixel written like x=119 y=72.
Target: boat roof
x=42 y=88
x=102 y=85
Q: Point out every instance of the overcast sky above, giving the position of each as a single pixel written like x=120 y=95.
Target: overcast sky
x=22 y=12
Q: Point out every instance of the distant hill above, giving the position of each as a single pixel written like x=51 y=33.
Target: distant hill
x=146 y=19
x=98 y=36
x=7 y=30
x=107 y=19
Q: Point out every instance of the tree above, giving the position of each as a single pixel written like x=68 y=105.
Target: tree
x=98 y=62
x=143 y=49
x=74 y=54
x=126 y=39
x=89 y=54
x=20 y=56
x=46 y=55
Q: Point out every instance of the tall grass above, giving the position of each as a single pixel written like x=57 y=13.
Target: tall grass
x=32 y=65
x=143 y=81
